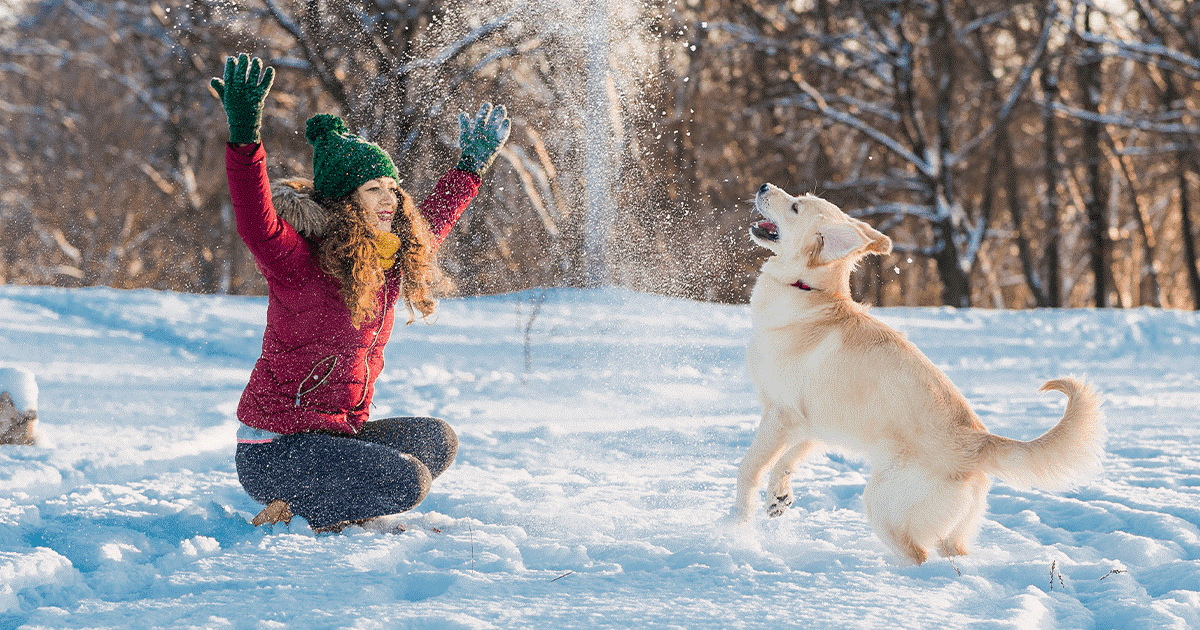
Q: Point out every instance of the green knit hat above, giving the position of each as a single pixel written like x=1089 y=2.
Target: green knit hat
x=342 y=161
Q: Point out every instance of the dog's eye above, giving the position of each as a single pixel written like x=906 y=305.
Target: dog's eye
x=796 y=207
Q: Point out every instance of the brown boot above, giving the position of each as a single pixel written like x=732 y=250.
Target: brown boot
x=277 y=512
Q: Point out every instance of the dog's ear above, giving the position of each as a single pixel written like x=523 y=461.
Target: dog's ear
x=839 y=240
x=880 y=243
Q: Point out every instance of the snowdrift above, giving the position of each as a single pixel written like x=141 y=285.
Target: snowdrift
x=597 y=464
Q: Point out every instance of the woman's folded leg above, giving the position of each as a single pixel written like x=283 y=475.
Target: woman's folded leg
x=430 y=440
x=331 y=479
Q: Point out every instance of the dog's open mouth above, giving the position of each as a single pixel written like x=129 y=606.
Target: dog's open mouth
x=765 y=230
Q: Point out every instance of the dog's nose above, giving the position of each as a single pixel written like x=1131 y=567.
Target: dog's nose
x=763 y=188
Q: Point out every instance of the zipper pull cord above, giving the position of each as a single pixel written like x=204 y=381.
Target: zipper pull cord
x=300 y=391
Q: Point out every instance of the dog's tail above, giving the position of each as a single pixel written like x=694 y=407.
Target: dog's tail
x=1063 y=456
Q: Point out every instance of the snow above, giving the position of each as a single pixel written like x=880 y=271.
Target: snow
x=590 y=491
x=21 y=387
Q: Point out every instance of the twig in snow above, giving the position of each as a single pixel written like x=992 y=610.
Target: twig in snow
x=1112 y=572
x=1053 y=569
x=471 y=532
x=561 y=576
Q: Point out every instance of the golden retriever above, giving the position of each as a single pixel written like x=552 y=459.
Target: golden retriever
x=828 y=373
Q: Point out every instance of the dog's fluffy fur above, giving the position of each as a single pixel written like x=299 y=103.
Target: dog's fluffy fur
x=830 y=374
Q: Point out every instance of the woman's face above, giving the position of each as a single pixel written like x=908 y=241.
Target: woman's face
x=380 y=199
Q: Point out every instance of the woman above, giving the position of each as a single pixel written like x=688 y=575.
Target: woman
x=338 y=253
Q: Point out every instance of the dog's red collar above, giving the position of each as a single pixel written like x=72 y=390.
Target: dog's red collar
x=799 y=284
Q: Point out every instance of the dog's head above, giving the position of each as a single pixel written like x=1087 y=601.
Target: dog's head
x=811 y=238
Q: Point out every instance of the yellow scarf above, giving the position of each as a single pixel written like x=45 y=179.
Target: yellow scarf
x=387 y=244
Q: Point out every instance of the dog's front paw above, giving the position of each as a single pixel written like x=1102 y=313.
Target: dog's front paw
x=781 y=503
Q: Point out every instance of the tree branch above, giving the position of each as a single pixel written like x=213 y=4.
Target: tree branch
x=815 y=103
x=453 y=50
x=316 y=60
x=43 y=48
x=1119 y=120
x=1014 y=93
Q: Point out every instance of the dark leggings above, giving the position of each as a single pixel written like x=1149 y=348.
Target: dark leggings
x=327 y=478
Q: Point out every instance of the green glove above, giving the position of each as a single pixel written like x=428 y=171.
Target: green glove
x=482 y=138
x=243 y=93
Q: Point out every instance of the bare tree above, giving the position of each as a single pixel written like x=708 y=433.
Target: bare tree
x=1172 y=42
x=1052 y=296
x=130 y=191
x=1018 y=153
x=892 y=73
x=1091 y=90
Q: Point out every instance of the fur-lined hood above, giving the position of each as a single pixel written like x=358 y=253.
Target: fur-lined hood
x=294 y=203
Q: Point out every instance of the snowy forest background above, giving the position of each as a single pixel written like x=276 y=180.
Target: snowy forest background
x=1042 y=153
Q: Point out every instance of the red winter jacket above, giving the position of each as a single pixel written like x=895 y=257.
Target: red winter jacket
x=317 y=371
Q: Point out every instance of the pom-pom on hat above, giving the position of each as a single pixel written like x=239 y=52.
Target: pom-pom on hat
x=343 y=161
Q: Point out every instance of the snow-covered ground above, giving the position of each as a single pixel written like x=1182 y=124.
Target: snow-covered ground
x=590 y=487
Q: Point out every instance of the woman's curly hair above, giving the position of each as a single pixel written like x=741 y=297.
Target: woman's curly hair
x=348 y=251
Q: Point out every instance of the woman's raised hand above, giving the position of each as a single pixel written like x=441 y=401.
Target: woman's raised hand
x=243 y=92
x=482 y=138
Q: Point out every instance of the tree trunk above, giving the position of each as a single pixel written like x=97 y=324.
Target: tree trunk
x=1012 y=192
x=1171 y=100
x=956 y=284
x=1050 y=215
x=1149 y=288
x=1096 y=202
x=1189 y=236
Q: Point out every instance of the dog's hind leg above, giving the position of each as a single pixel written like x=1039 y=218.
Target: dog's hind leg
x=896 y=500
x=769 y=441
x=779 y=490
x=973 y=501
